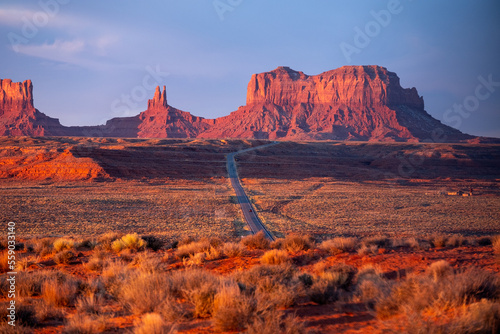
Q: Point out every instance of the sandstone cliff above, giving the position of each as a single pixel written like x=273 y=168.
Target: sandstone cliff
x=348 y=103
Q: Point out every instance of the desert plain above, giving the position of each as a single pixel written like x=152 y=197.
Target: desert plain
x=139 y=235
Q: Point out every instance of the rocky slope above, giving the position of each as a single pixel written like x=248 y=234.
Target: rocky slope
x=348 y=103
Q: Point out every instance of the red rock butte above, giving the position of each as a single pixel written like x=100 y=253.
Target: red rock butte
x=348 y=103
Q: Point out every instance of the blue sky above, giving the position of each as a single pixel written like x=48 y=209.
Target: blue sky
x=93 y=60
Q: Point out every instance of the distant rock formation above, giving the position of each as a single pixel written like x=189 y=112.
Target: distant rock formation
x=348 y=103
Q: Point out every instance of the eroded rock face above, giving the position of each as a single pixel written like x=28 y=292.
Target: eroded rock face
x=348 y=103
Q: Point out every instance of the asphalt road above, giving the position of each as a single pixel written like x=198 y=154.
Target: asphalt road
x=249 y=213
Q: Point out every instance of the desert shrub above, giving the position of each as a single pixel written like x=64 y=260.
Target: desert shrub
x=185 y=240
x=379 y=241
x=106 y=240
x=85 y=324
x=455 y=240
x=94 y=264
x=192 y=248
x=153 y=323
x=273 y=322
x=114 y=275
x=63 y=244
x=275 y=256
x=296 y=243
x=339 y=275
x=86 y=244
x=175 y=310
x=46 y=311
x=438 y=240
x=25 y=314
x=4 y=261
x=195 y=260
x=438 y=270
x=30 y=284
x=233 y=310
x=64 y=257
x=25 y=262
x=130 y=241
x=256 y=241
x=233 y=249
x=339 y=245
x=273 y=285
x=43 y=246
x=147 y=262
x=143 y=292
x=370 y=286
x=91 y=303
x=60 y=291
x=367 y=250
x=213 y=253
x=153 y=242
x=322 y=291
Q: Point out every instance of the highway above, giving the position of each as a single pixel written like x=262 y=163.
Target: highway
x=249 y=213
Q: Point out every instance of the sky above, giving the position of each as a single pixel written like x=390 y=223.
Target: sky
x=94 y=60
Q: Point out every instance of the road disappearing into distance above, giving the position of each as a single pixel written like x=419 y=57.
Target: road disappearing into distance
x=249 y=213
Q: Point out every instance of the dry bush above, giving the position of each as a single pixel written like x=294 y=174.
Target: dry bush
x=24 y=314
x=424 y=292
x=273 y=322
x=339 y=245
x=105 y=241
x=63 y=244
x=175 y=310
x=339 y=275
x=153 y=323
x=60 y=292
x=195 y=260
x=85 y=324
x=368 y=250
x=114 y=275
x=296 y=243
x=94 y=264
x=439 y=270
x=370 y=286
x=213 y=253
x=233 y=310
x=64 y=257
x=455 y=240
x=130 y=242
x=275 y=256
x=379 y=241
x=256 y=241
x=147 y=262
x=143 y=292
x=233 y=249
x=438 y=240
x=46 y=311
x=273 y=285
x=192 y=248
x=25 y=262
x=92 y=304
x=43 y=246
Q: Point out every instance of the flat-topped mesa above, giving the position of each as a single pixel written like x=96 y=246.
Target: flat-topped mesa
x=159 y=100
x=15 y=96
x=348 y=85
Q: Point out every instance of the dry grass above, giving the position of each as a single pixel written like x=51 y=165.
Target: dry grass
x=63 y=244
x=233 y=249
x=64 y=257
x=256 y=241
x=297 y=242
x=143 y=292
x=153 y=323
x=85 y=324
x=439 y=270
x=4 y=261
x=233 y=310
x=273 y=322
x=275 y=256
x=91 y=304
x=339 y=245
x=495 y=242
x=192 y=248
x=130 y=242
x=60 y=292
